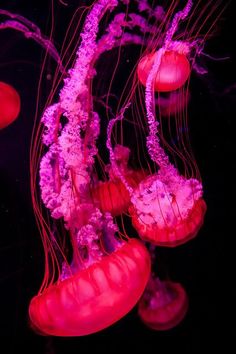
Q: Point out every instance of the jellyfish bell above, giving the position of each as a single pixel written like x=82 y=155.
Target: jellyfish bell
x=173 y=104
x=94 y=298
x=97 y=279
x=173 y=72
x=99 y=283
x=112 y=196
x=167 y=211
x=163 y=305
x=9 y=104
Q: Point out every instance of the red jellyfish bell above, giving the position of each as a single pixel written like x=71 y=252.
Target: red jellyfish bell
x=163 y=305
x=173 y=104
x=173 y=72
x=168 y=211
x=112 y=196
x=9 y=104
x=93 y=298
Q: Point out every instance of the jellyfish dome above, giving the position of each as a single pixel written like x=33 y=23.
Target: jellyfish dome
x=163 y=305
x=95 y=297
x=174 y=103
x=168 y=211
x=173 y=72
x=9 y=104
x=112 y=195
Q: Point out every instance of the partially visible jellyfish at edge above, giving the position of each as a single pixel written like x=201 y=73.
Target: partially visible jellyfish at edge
x=9 y=104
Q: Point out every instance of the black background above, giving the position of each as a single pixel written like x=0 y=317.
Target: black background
x=204 y=265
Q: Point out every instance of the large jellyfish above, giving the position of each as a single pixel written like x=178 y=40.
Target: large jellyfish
x=105 y=276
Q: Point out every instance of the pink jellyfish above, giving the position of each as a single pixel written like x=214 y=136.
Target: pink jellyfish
x=167 y=208
x=173 y=104
x=9 y=104
x=112 y=196
x=101 y=276
x=163 y=305
x=173 y=71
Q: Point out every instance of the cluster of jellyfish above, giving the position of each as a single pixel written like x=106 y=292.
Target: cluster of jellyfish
x=96 y=272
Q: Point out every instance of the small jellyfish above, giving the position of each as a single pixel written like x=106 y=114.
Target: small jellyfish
x=167 y=207
x=9 y=104
x=112 y=195
x=173 y=72
x=173 y=103
x=163 y=305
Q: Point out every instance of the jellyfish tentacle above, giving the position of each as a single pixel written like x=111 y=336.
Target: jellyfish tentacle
x=115 y=167
x=30 y=30
x=156 y=152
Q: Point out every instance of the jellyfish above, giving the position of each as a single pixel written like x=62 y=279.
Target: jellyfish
x=172 y=103
x=9 y=97
x=171 y=210
x=163 y=305
x=112 y=195
x=173 y=71
x=9 y=104
x=93 y=295
x=167 y=207
x=102 y=276
x=164 y=302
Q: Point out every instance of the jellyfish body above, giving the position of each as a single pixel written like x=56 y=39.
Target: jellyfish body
x=172 y=105
x=112 y=196
x=167 y=213
x=173 y=72
x=9 y=104
x=163 y=305
x=94 y=298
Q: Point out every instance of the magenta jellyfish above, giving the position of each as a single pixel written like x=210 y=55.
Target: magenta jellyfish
x=112 y=196
x=174 y=104
x=103 y=276
x=167 y=207
x=172 y=73
x=9 y=104
x=163 y=305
